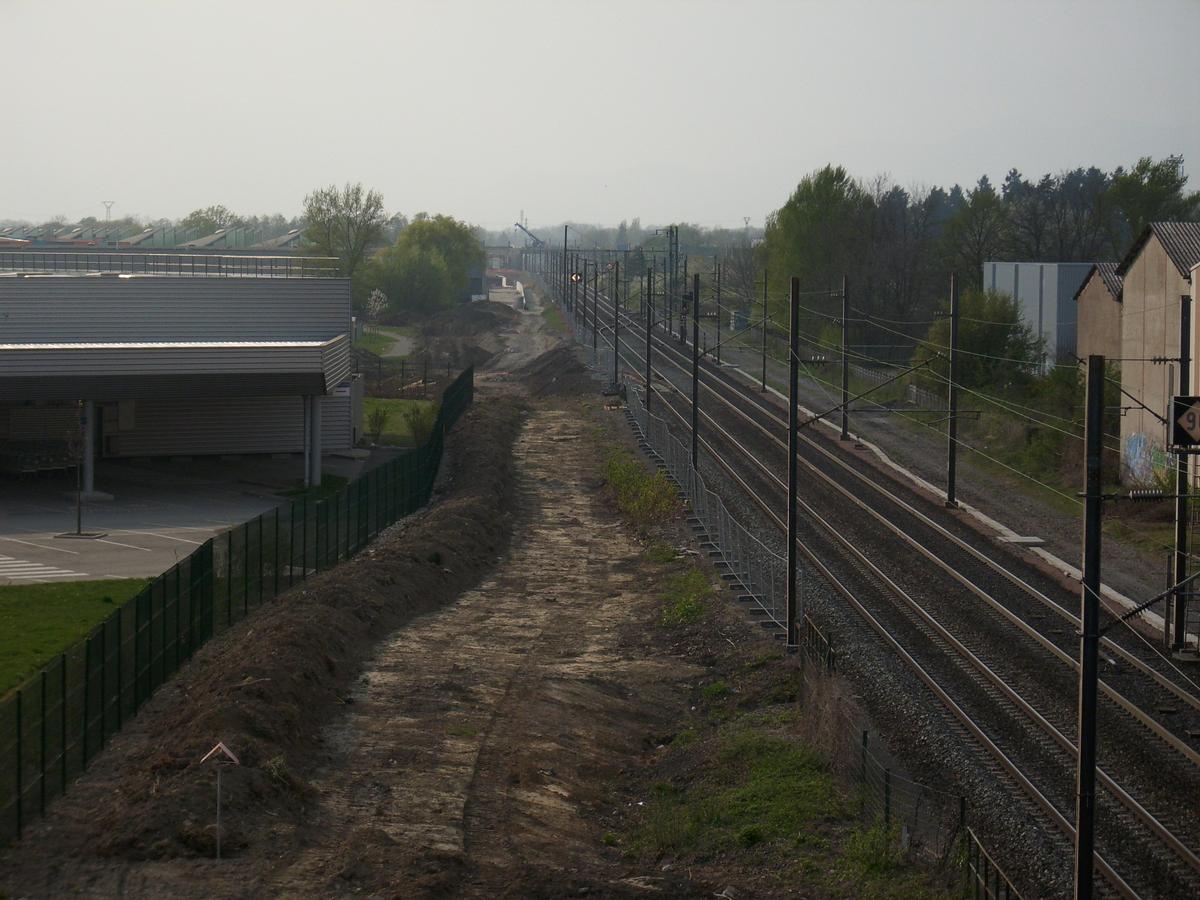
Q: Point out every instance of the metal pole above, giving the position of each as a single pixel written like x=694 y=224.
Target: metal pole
x=1089 y=644
x=585 y=298
x=793 y=447
x=682 y=322
x=695 y=371
x=952 y=397
x=616 y=318
x=1179 y=573
x=649 y=328
x=765 y=319
x=562 y=294
x=218 y=809
x=717 y=266
x=845 y=369
x=595 y=300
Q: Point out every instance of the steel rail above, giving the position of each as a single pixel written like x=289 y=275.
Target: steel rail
x=1116 y=649
x=964 y=718
x=1136 y=809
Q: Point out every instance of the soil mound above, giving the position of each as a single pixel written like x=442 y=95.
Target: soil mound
x=471 y=319
x=557 y=372
x=266 y=687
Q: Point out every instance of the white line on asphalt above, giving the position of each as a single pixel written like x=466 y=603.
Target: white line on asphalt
x=50 y=575
x=42 y=546
x=119 y=544
x=158 y=534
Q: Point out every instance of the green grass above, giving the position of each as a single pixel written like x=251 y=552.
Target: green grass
x=660 y=552
x=40 y=621
x=554 y=319
x=330 y=485
x=685 y=599
x=374 y=342
x=757 y=788
x=645 y=499
x=396 y=429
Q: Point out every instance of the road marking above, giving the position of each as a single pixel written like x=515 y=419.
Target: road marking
x=119 y=544
x=158 y=534
x=41 y=546
x=22 y=569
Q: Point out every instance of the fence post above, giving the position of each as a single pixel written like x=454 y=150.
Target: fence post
x=862 y=777
x=120 y=668
x=260 y=559
x=275 y=565
x=103 y=677
x=87 y=690
x=62 y=713
x=887 y=798
x=291 y=541
x=20 y=767
x=304 y=539
x=42 y=747
x=229 y=578
x=245 y=569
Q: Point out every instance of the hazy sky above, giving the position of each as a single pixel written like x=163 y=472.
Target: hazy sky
x=703 y=111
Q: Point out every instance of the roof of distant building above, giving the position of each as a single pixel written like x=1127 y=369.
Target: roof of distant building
x=1180 y=240
x=288 y=239
x=1107 y=273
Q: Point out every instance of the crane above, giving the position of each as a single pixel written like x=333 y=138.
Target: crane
x=537 y=241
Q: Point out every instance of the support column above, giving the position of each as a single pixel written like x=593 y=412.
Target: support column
x=88 y=425
x=314 y=440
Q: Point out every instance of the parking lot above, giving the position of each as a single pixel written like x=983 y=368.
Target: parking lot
x=160 y=512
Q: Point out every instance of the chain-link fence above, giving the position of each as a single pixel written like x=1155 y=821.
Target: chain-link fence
x=926 y=822
x=57 y=721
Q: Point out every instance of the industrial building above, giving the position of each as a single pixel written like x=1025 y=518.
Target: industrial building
x=1045 y=295
x=1156 y=283
x=1098 y=313
x=108 y=365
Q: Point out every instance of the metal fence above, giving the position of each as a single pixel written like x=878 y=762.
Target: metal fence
x=57 y=721
x=926 y=822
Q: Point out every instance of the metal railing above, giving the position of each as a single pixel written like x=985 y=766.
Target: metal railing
x=212 y=265
x=57 y=721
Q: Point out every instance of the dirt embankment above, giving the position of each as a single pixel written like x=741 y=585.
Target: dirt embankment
x=266 y=687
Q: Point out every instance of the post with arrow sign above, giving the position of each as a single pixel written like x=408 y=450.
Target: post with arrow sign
x=224 y=757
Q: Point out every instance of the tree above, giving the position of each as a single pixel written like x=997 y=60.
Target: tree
x=209 y=219
x=428 y=266
x=343 y=223
x=1151 y=192
x=998 y=350
x=978 y=232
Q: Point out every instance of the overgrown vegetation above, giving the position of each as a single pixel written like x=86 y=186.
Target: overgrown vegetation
x=40 y=621
x=644 y=498
x=399 y=422
x=554 y=319
x=685 y=598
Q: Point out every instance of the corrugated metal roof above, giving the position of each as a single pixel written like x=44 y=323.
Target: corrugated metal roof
x=1180 y=240
x=1108 y=274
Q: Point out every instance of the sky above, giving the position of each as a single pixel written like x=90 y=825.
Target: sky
x=704 y=111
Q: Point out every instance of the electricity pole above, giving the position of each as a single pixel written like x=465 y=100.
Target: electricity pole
x=845 y=369
x=765 y=319
x=793 y=448
x=616 y=319
x=1089 y=642
x=649 y=327
x=952 y=397
x=717 y=266
x=695 y=371
x=1179 y=569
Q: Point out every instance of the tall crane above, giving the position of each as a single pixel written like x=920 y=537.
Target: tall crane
x=537 y=241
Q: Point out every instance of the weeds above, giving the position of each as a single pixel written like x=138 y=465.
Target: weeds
x=419 y=420
x=660 y=552
x=644 y=498
x=685 y=598
x=716 y=690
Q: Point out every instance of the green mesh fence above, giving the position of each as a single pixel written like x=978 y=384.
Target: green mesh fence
x=58 y=720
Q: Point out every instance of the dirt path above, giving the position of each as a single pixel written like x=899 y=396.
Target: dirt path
x=480 y=734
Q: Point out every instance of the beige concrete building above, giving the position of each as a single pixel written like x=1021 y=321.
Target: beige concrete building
x=1156 y=281
x=1098 y=313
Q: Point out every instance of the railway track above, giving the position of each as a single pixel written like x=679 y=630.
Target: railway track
x=1018 y=674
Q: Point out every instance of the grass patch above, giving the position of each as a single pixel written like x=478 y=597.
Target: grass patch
x=554 y=319
x=330 y=485
x=40 y=621
x=685 y=600
x=716 y=690
x=374 y=342
x=645 y=499
x=758 y=788
x=397 y=418
x=660 y=552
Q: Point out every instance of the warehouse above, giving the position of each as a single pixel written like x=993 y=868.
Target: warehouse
x=102 y=365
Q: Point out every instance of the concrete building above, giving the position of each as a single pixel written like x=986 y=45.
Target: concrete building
x=1098 y=313
x=174 y=365
x=1156 y=281
x=1045 y=295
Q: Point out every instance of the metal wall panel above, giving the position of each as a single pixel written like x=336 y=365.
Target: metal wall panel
x=105 y=308
x=51 y=422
